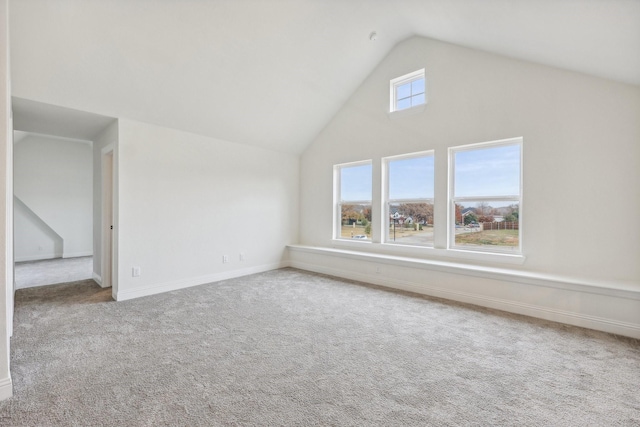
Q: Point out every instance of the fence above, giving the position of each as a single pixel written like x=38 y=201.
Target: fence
x=504 y=225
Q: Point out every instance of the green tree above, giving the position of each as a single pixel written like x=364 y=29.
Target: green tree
x=511 y=218
x=514 y=213
x=469 y=218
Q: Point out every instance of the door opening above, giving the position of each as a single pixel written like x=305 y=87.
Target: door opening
x=107 y=218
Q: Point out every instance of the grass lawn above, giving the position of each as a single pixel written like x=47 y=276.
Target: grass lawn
x=489 y=237
x=348 y=231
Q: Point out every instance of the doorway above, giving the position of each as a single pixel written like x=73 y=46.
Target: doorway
x=57 y=234
x=107 y=218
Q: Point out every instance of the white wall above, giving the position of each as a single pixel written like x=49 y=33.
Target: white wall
x=53 y=178
x=6 y=206
x=581 y=161
x=185 y=201
x=34 y=239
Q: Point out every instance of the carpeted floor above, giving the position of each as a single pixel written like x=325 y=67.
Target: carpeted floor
x=290 y=348
x=51 y=271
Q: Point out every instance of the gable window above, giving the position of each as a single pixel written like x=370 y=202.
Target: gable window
x=407 y=91
x=486 y=196
x=409 y=193
x=352 y=200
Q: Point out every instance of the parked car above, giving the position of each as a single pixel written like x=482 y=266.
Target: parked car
x=359 y=236
x=474 y=225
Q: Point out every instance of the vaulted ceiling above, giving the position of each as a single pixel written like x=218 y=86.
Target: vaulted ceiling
x=272 y=73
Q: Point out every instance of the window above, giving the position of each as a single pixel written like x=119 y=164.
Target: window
x=486 y=196
x=352 y=194
x=409 y=199
x=408 y=91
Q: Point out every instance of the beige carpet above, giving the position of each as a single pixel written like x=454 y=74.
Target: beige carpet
x=289 y=348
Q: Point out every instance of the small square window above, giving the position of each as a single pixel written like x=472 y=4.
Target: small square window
x=408 y=91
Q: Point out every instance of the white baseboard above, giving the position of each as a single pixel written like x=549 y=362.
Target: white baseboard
x=77 y=254
x=37 y=257
x=609 y=310
x=123 y=295
x=96 y=278
x=42 y=257
x=6 y=388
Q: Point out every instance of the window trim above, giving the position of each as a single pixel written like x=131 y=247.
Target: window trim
x=507 y=197
x=385 y=195
x=399 y=81
x=337 y=200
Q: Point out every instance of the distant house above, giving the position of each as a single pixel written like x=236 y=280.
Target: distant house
x=399 y=219
x=466 y=211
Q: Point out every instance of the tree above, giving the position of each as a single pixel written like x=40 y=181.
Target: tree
x=349 y=214
x=469 y=218
x=367 y=229
x=486 y=218
x=513 y=214
x=483 y=208
x=459 y=213
x=366 y=213
x=419 y=212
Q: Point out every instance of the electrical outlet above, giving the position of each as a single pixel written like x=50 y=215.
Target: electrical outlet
x=241 y=256
x=135 y=272
x=225 y=259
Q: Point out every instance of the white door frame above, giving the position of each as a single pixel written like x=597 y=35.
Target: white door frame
x=107 y=218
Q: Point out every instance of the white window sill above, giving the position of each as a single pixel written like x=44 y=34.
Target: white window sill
x=604 y=287
x=429 y=252
x=408 y=111
x=351 y=242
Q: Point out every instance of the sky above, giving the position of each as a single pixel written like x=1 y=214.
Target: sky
x=493 y=171
x=411 y=178
x=355 y=182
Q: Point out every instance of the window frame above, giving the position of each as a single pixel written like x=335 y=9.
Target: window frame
x=501 y=198
x=399 y=81
x=338 y=202
x=386 y=202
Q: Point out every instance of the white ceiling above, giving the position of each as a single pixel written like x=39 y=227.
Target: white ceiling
x=272 y=73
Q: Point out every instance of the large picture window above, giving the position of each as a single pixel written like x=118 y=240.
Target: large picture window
x=409 y=199
x=486 y=196
x=352 y=194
